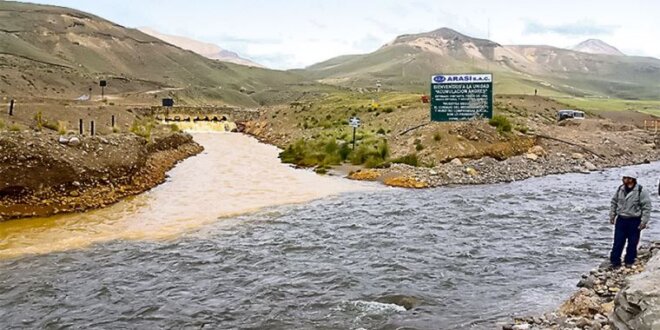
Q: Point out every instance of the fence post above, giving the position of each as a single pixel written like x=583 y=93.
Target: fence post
x=91 y=128
x=80 y=126
x=113 y=121
x=11 y=107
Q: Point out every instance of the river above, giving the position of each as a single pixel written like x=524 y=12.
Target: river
x=236 y=240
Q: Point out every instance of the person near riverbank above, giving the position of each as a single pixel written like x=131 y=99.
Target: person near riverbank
x=630 y=212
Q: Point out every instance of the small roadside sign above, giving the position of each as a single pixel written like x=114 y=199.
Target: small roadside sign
x=355 y=123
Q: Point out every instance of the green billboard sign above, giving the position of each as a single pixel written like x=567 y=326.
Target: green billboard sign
x=460 y=97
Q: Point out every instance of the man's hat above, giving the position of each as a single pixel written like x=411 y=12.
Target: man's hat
x=630 y=174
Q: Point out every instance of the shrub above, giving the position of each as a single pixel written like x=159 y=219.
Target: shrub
x=381 y=131
x=344 y=151
x=410 y=159
x=38 y=118
x=437 y=137
x=175 y=128
x=142 y=128
x=62 y=127
x=502 y=123
x=14 y=128
x=419 y=147
x=388 y=110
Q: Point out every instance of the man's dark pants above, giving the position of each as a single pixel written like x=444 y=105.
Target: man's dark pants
x=626 y=229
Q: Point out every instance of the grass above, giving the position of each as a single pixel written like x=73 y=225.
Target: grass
x=502 y=123
x=143 y=127
x=605 y=104
x=410 y=159
x=327 y=152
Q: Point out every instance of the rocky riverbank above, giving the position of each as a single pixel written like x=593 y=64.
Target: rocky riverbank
x=536 y=162
x=624 y=298
x=41 y=176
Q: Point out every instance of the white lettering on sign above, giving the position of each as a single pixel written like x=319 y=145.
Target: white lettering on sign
x=461 y=78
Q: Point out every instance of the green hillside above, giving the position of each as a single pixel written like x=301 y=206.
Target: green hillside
x=59 y=52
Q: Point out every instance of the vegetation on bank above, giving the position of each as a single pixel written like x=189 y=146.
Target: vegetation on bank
x=326 y=152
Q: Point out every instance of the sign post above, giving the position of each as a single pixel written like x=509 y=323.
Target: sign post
x=461 y=97
x=103 y=83
x=355 y=123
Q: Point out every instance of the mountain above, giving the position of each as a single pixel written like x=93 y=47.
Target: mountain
x=207 y=50
x=596 y=46
x=56 y=52
x=407 y=62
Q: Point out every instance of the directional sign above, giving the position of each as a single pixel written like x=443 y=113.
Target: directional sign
x=460 y=97
x=354 y=122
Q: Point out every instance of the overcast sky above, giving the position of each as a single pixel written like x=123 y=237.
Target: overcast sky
x=297 y=33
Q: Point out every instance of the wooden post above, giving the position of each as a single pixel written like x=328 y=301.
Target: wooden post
x=80 y=126
x=91 y=128
x=113 y=121
x=11 y=107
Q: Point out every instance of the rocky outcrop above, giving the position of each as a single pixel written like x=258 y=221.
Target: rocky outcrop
x=637 y=306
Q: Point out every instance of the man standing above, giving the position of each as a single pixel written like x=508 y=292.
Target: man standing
x=630 y=212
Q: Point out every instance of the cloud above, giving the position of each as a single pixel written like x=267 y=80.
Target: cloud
x=570 y=29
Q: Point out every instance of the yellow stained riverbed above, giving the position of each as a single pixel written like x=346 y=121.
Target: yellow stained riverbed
x=235 y=174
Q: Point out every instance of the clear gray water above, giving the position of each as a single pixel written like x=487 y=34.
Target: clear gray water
x=469 y=256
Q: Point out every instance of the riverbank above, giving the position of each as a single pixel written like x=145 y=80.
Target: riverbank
x=394 y=148
x=41 y=175
x=624 y=298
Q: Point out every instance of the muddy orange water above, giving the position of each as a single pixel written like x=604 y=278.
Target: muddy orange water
x=235 y=174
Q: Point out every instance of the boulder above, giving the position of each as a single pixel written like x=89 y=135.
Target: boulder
x=637 y=306
x=456 y=162
x=537 y=150
x=532 y=156
x=74 y=141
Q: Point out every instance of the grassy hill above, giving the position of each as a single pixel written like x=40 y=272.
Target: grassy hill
x=58 y=52
x=406 y=64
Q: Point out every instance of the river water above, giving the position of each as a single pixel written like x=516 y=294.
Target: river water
x=236 y=240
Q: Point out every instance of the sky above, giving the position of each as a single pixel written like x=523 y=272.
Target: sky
x=297 y=33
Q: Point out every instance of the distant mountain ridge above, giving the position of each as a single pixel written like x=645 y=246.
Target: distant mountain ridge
x=207 y=50
x=597 y=46
x=406 y=62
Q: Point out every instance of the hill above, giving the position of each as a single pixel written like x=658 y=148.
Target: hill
x=205 y=49
x=407 y=62
x=596 y=46
x=56 y=52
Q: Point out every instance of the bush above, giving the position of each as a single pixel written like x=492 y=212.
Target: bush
x=502 y=123
x=62 y=127
x=388 y=110
x=175 y=128
x=14 y=128
x=142 y=128
x=380 y=131
x=410 y=159
x=38 y=118
x=437 y=137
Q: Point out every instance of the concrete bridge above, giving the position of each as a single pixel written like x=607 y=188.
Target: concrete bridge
x=194 y=114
